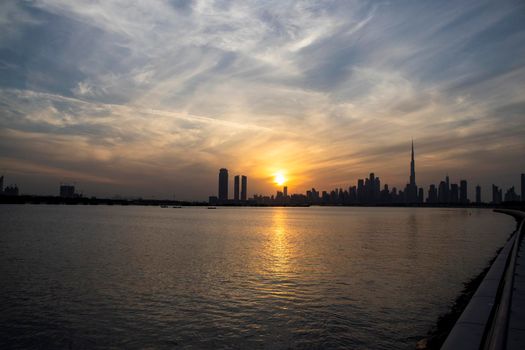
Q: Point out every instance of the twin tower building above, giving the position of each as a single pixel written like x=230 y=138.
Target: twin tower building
x=241 y=195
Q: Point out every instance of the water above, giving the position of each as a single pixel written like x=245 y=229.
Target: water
x=86 y=277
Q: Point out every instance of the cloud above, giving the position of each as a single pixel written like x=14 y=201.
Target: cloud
x=156 y=92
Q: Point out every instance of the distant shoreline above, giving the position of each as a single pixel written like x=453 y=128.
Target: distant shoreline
x=55 y=200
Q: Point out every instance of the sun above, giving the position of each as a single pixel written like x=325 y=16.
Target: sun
x=279 y=179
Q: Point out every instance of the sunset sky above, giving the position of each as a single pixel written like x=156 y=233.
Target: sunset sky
x=151 y=98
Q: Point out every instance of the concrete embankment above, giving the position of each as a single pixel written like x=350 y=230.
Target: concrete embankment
x=490 y=312
x=438 y=334
x=494 y=317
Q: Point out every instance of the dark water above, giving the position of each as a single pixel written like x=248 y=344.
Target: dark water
x=277 y=278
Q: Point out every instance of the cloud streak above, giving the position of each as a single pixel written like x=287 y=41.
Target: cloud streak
x=152 y=98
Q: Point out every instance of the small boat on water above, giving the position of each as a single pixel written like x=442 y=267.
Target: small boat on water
x=212 y=207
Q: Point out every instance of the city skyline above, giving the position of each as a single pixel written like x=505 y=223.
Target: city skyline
x=370 y=191
x=365 y=191
x=150 y=99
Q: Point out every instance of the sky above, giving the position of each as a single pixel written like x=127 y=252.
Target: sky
x=151 y=98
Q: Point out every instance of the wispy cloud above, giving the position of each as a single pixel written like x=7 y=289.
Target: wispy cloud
x=163 y=93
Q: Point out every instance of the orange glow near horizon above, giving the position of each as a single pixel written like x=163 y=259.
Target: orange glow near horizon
x=279 y=178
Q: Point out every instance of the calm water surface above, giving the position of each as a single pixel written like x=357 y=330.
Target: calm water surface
x=144 y=277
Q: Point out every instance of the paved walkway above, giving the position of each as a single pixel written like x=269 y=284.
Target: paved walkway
x=495 y=316
x=516 y=330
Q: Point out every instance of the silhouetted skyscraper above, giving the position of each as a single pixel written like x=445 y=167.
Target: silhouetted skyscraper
x=67 y=191
x=411 y=189
x=236 y=184
x=447 y=189
x=385 y=195
x=285 y=191
x=478 y=194
x=2 y=183
x=420 y=195
x=376 y=190
x=454 y=193
x=442 y=192
x=223 y=184
x=463 y=197
x=496 y=195
x=511 y=195
x=244 y=188
x=352 y=194
x=370 y=185
x=432 y=194
x=361 y=191
x=372 y=188
x=412 y=168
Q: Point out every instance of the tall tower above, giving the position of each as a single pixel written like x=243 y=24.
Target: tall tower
x=223 y=184
x=2 y=183
x=495 y=194
x=447 y=189
x=411 y=188
x=236 y=185
x=244 y=188
x=412 y=168
x=463 y=192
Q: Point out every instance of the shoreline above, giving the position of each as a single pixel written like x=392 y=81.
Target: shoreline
x=55 y=200
x=439 y=332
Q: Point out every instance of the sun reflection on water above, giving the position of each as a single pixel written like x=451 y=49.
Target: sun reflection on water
x=279 y=249
x=277 y=268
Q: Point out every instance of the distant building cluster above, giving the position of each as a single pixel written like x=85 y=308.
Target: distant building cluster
x=510 y=194
x=368 y=191
x=11 y=190
x=68 y=191
x=240 y=189
x=447 y=193
x=65 y=191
